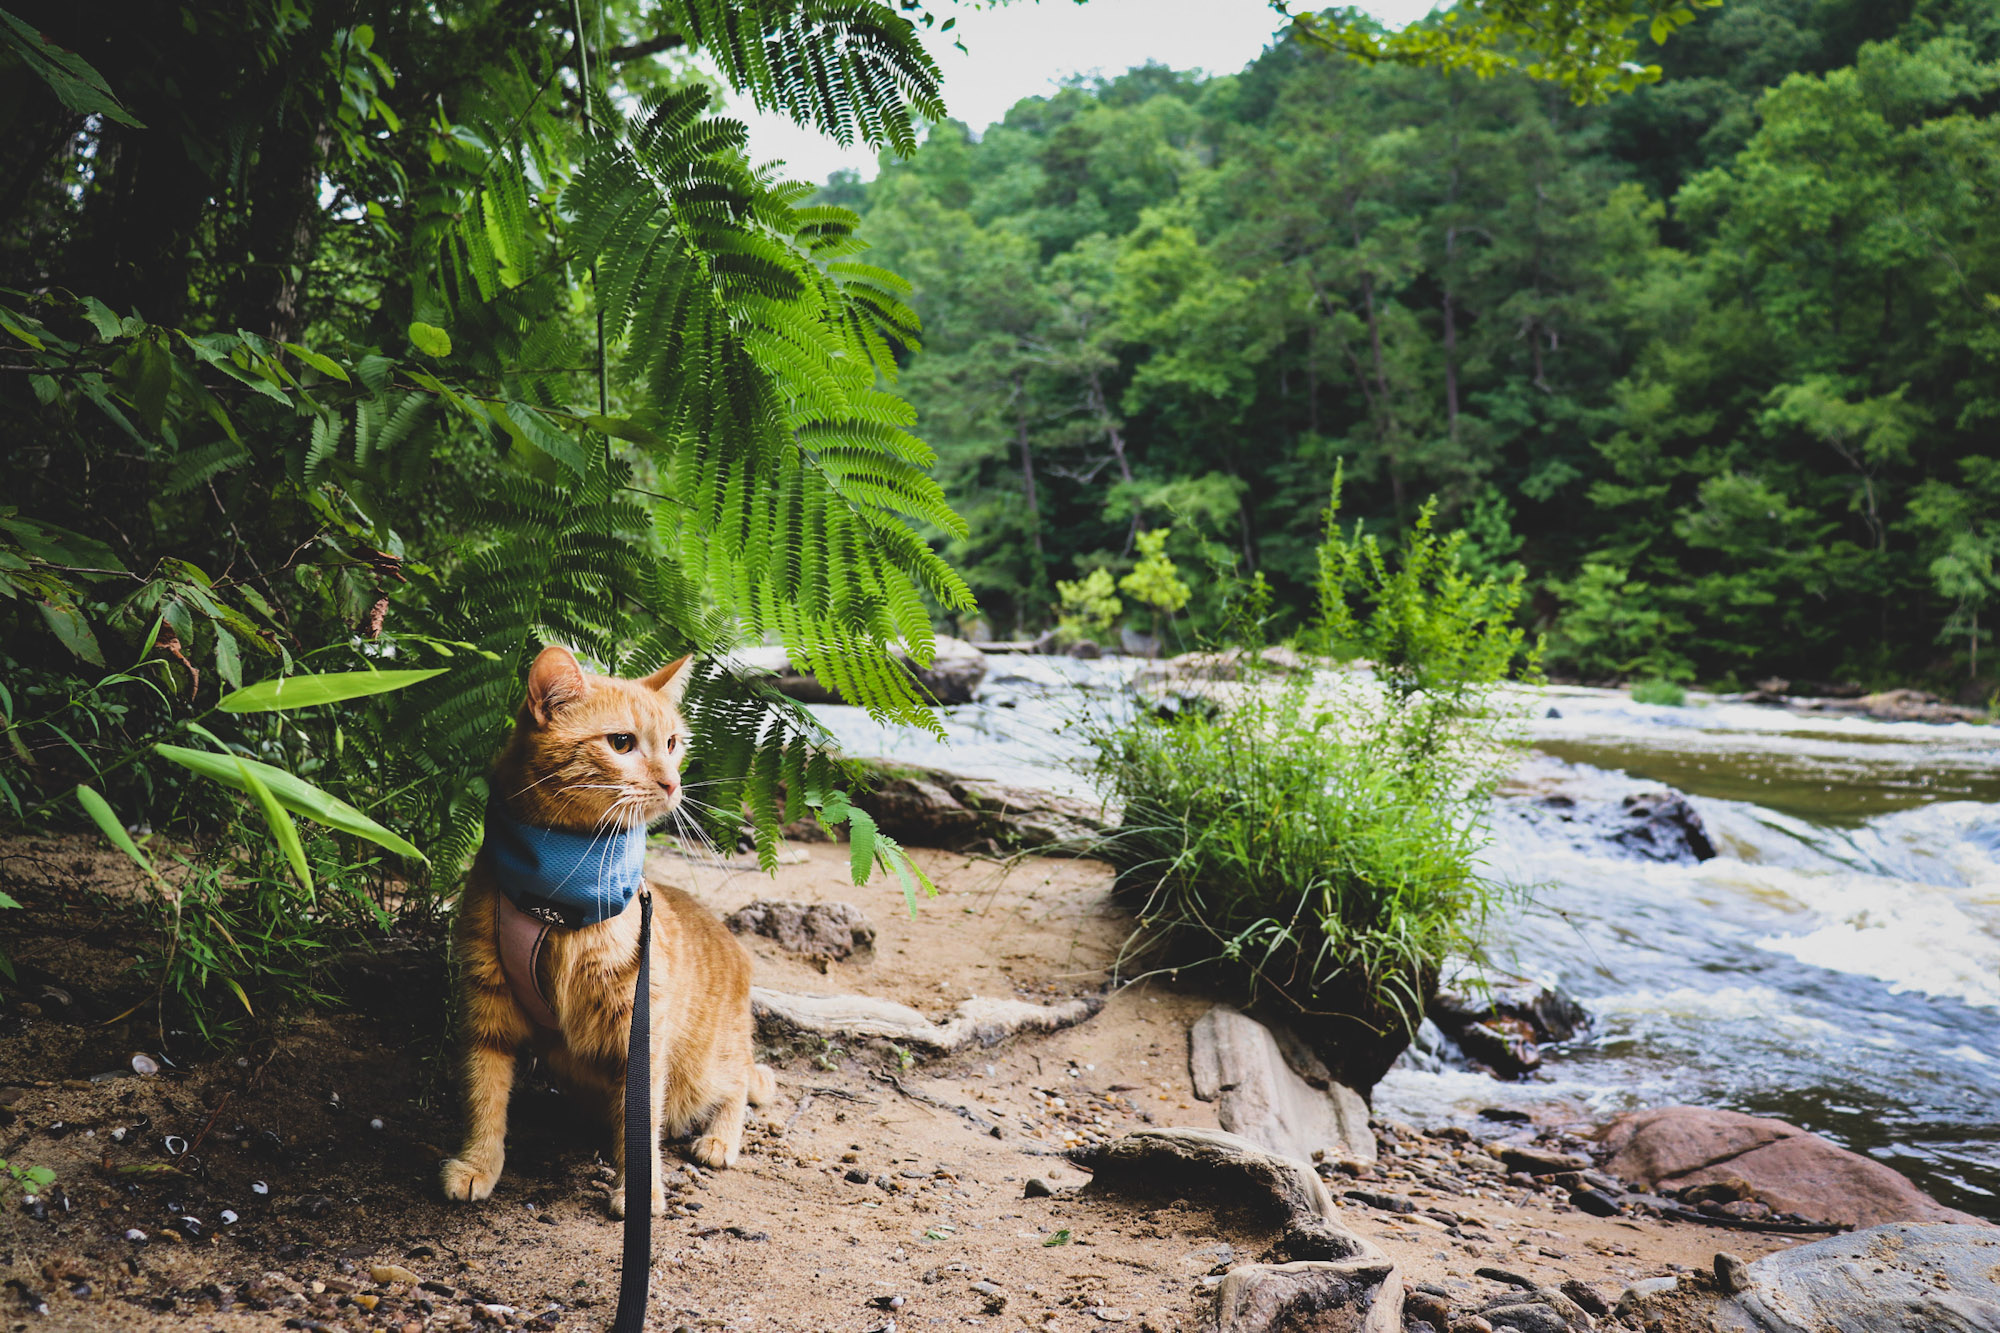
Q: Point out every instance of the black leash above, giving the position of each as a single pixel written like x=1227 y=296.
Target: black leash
x=639 y=1145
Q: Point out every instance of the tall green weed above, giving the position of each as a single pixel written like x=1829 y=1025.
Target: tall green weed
x=1313 y=843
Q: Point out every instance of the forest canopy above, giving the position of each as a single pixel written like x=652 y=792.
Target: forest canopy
x=1714 y=363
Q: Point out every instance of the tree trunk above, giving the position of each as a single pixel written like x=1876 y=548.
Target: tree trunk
x=1450 y=322
x=284 y=226
x=1114 y=435
x=1384 y=426
x=1027 y=464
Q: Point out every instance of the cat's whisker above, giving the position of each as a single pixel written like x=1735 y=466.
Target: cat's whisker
x=693 y=829
x=548 y=777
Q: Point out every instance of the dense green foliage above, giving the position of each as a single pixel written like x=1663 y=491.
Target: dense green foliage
x=1713 y=363
x=416 y=336
x=1312 y=842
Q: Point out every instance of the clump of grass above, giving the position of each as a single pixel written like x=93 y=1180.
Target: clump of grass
x=1314 y=844
x=1659 y=692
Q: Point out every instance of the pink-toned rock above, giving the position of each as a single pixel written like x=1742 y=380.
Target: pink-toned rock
x=1788 y=1168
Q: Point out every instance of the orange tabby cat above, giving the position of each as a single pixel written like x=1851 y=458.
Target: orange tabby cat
x=589 y=754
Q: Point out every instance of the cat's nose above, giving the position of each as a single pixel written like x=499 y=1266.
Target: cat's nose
x=669 y=786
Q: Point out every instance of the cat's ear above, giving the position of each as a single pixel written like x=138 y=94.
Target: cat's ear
x=554 y=680
x=671 y=680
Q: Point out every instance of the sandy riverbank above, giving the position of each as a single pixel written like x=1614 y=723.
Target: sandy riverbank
x=341 y=1118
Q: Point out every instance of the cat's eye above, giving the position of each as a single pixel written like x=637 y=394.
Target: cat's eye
x=673 y=742
x=624 y=742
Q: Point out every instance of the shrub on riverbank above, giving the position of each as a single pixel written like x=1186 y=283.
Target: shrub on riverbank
x=1312 y=844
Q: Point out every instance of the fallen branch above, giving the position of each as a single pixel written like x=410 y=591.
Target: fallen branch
x=976 y=1022
x=820 y=1091
x=919 y=1095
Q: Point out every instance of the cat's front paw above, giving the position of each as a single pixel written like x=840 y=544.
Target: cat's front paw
x=467 y=1183
x=714 y=1152
x=618 y=1201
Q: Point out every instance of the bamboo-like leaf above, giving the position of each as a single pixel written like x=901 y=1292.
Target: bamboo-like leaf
x=325 y=365
x=101 y=814
x=232 y=984
x=282 y=827
x=293 y=793
x=309 y=691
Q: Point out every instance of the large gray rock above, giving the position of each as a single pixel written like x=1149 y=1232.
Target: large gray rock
x=1778 y=1164
x=1239 y=1065
x=827 y=930
x=928 y=807
x=1902 y=1278
x=1354 y=1296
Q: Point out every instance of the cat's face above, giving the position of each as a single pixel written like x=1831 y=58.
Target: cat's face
x=591 y=753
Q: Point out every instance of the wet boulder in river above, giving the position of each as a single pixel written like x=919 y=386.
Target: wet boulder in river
x=1780 y=1165
x=1662 y=826
x=1502 y=1021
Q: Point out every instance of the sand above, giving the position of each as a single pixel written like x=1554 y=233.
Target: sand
x=342 y=1118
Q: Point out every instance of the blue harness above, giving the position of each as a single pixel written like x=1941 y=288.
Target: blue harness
x=565 y=879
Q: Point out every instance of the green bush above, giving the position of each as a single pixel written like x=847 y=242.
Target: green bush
x=1312 y=845
x=1659 y=692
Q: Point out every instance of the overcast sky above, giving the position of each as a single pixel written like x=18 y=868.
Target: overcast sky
x=1029 y=47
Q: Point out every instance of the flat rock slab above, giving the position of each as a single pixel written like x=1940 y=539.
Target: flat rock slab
x=829 y=930
x=1783 y=1166
x=1903 y=1278
x=1356 y=1296
x=1238 y=1064
x=976 y=1022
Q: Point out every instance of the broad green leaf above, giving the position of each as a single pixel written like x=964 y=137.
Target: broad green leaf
x=59 y=546
x=228 y=662
x=294 y=793
x=533 y=427
x=101 y=814
x=101 y=318
x=282 y=827
x=622 y=428
x=325 y=365
x=440 y=388
x=149 y=379
x=74 y=631
x=7 y=323
x=74 y=81
x=430 y=339
x=310 y=691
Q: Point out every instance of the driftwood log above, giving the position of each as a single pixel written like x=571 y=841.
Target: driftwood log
x=976 y=1022
x=1335 y=1279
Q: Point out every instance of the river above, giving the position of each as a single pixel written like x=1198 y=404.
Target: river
x=1836 y=964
